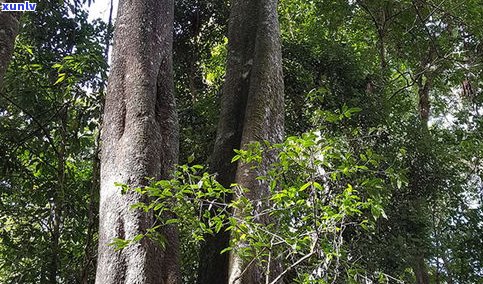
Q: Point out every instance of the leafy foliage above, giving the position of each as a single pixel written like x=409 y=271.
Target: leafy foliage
x=49 y=114
x=322 y=196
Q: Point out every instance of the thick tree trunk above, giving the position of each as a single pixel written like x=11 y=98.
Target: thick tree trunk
x=251 y=110
x=421 y=187
x=242 y=28
x=9 y=26
x=264 y=119
x=139 y=140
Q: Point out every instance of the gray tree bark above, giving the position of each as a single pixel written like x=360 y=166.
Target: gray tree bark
x=139 y=140
x=9 y=26
x=241 y=45
x=251 y=110
x=264 y=119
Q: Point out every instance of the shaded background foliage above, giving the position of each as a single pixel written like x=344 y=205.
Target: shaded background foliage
x=50 y=109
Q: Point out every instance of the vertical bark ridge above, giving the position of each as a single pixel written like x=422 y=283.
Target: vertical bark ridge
x=139 y=140
x=213 y=267
x=251 y=110
x=264 y=120
x=167 y=117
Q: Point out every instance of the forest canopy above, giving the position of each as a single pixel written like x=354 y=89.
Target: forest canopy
x=242 y=141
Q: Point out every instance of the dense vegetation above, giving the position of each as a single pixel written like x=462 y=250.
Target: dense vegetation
x=378 y=178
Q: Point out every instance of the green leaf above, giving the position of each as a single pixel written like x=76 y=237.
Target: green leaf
x=226 y=250
x=60 y=79
x=137 y=238
x=172 y=221
x=119 y=244
x=304 y=187
x=191 y=158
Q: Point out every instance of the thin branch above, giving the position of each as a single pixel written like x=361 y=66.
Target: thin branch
x=311 y=253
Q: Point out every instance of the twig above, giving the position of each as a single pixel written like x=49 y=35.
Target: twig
x=312 y=251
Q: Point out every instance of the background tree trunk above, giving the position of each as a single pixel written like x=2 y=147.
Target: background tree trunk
x=9 y=26
x=139 y=140
x=421 y=175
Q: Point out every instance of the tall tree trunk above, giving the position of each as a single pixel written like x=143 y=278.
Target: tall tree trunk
x=9 y=26
x=421 y=270
x=241 y=45
x=420 y=175
x=58 y=200
x=89 y=248
x=424 y=103
x=139 y=140
x=251 y=110
x=264 y=119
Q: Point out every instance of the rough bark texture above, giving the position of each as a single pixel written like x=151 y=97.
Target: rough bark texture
x=263 y=122
x=9 y=26
x=139 y=140
x=251 y=110
x=241 y=45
